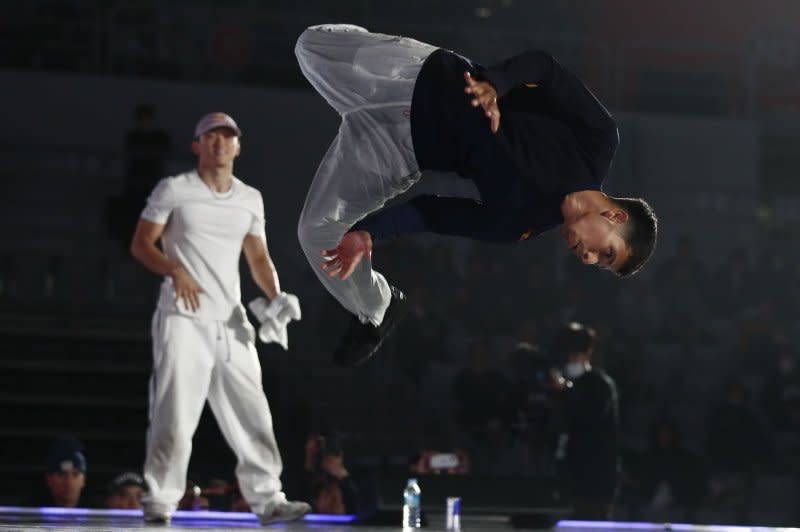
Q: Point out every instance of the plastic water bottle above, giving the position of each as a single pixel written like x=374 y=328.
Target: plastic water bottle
x=411 y=505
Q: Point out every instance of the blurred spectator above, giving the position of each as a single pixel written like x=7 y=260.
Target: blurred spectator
x=147 y=146
x=737 y=444
x=591 y=413
x=125 y=491
x=672 y=479
x=193 y=498
x=220 y=494
x=65 y=476
x=329 y=486
x=327 y=496
x=483 y=395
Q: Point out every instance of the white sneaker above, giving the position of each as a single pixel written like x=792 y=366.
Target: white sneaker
x=285 y=511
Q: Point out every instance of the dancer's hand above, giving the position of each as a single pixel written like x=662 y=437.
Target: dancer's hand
x=186 y=288
x=485 y=95
x=344 y=258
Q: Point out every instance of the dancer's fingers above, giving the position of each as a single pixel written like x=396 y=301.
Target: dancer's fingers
x=349 y=267
x=333 y=270
x=330 y=264
x=495 y=121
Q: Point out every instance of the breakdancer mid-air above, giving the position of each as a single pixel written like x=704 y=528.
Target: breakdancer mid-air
x=528 y=133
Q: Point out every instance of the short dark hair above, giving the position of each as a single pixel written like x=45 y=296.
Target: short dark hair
x=639 y=232
x=573 y=338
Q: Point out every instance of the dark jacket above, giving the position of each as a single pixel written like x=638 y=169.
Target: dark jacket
x=555 y=138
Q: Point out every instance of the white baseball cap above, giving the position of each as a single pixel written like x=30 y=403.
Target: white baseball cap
x=212 y=120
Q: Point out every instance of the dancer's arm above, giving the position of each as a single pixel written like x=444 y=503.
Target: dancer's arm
x=442 y=215
x=447 y=216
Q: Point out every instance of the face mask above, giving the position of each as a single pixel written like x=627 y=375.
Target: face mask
x=573 y=370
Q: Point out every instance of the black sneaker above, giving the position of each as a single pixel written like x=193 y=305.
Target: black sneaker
x=155 y=519
x=362 y=340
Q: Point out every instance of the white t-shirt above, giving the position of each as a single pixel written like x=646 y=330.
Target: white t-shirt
x=204 y=234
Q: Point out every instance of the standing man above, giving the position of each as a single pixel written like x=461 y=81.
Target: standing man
x=590 y=445
x=203 y=345
x=407 y=106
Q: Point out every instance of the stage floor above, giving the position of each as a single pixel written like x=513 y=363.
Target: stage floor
x=30 y=519
x=136 y=525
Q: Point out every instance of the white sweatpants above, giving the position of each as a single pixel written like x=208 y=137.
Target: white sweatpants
x=369 y=79
x=195 y=360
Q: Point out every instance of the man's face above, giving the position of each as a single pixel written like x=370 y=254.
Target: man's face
x=594 y=238
x=66 y=486
x=126 y=498
x=217 y=148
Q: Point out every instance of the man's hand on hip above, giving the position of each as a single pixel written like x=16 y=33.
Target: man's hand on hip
x=343 y=259
x=186 y=288
x=485 y=95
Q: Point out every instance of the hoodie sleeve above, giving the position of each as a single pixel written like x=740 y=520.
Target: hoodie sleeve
x=443 y=215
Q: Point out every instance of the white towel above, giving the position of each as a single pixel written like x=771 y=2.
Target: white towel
x=274 y=317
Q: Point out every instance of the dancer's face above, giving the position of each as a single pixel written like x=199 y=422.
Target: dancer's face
x=217 y=148
x=594 y=238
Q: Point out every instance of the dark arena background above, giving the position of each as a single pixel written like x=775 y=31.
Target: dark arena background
x=100 y=100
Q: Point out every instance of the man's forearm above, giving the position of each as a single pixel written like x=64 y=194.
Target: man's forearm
x=266 y=277
x=153 y=258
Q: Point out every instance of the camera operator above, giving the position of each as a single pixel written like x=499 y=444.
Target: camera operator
x=590 y=445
